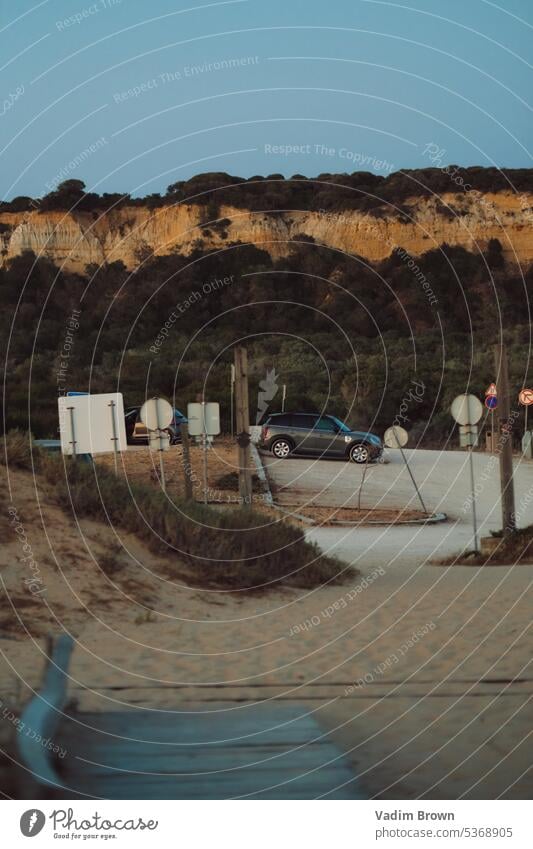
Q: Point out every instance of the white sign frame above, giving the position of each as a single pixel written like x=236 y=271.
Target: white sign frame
x=91 y=417
x=203 y=419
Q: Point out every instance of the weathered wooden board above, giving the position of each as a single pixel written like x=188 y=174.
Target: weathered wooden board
x=272 y=751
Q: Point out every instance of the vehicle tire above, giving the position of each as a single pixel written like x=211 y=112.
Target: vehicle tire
x=281 y=448
x=359 y=453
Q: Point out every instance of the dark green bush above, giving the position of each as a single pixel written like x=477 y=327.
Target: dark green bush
x=235 y=550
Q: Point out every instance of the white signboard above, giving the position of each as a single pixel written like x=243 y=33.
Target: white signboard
x=92 y=424
x=203 y=419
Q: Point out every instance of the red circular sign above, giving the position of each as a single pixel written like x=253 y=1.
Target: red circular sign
x=525 y=396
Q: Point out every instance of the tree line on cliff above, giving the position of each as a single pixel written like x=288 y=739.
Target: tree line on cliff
x=361 y=190
x=339 y=333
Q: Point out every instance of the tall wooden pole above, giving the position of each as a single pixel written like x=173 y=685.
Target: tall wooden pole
x=242 y=422
x=505 y=429
x=186 y=460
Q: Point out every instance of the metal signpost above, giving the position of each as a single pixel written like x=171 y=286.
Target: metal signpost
x=157 y=414
x=112 y=409
x=204 y=421
x=525 y=398
x=397 y=437
x=232 y=398
x=467 y=411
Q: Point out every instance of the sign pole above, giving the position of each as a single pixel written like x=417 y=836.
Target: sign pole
x=204 y=445
x=72 y=431
x=283 y=396
x=232 y=397
x=186 y=460
x=161 y=462
x=473 y=491
x=243 y=425
x=114 y=438
x=467 y=411
x=506 y=441
x=409 y=470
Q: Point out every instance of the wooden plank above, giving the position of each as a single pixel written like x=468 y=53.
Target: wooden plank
x=39 y=722
x=280 y=753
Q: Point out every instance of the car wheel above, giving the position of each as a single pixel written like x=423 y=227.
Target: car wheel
x=281 y=448
x=359 y=453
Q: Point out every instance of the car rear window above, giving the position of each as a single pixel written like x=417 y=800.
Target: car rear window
x=280 y=421
x=303 y=420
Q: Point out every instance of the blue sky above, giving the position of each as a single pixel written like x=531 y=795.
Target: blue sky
x=131 y=96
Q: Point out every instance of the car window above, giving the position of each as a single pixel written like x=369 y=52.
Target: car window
x=280 y=421
x=325 y=424
x=343 y=427
x=302 y=420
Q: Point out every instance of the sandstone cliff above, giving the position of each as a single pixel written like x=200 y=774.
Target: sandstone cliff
x=129 y=233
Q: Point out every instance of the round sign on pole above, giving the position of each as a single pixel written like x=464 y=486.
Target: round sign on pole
x=491 y=402
x=525 y=396
x=466 y=409
x=395 y=437
x=156 y=414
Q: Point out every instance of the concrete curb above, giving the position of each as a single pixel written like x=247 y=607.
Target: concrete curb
x=434 y=519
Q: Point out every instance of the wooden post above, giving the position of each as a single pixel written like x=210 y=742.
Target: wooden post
x=242 y=421
x=186 y=460
x=505 y=436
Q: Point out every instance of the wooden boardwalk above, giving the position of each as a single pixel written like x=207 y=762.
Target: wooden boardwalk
x=265 y=751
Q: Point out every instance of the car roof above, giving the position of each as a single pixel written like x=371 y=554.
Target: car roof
x=301 y=413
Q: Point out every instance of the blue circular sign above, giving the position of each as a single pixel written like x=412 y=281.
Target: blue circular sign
x=491 y=402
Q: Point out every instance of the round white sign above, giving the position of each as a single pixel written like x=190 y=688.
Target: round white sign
x=466 y=409
x=156 y=414
x=395 y=437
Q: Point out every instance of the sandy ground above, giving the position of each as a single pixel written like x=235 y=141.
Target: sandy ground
x=141 y=465
x=422 y=674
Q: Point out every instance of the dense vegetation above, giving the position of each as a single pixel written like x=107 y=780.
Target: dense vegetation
x=361 y=190
x=234 y=550
x=359 y=340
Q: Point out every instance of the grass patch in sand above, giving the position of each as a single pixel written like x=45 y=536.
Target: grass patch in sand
x=516 y=549
x=235 y=550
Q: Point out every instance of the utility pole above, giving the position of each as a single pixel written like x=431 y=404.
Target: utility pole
x=242 y=421
x=232 y=399
x=186 y=460
x=505 y=439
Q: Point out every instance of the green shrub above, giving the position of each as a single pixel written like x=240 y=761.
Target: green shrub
x=235 y=550
x=16 y=450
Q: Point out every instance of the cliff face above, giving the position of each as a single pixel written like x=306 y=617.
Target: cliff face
x=74 y=240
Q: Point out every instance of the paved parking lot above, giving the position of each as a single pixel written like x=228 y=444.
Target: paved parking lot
x=444 y=481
